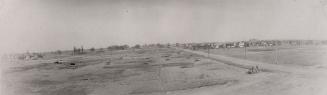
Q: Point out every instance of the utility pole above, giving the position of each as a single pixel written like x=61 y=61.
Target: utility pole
x=161 y=87
x=276 y=55
x=245 y=52
x=208 y=50
x=246 y=44
x=74 y=50
x=82 y=49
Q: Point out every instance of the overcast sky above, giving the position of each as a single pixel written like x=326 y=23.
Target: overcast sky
x=43 y=25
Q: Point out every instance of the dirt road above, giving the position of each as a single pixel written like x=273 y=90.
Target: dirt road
x=285 y=81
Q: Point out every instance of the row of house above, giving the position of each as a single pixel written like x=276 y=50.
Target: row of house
x=250 y=43
x=30 y=56
x=285 y=42
x=236 y=44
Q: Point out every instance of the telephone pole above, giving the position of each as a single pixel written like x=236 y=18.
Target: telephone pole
x=208 y=50
x=276 y=55
x=245 y=52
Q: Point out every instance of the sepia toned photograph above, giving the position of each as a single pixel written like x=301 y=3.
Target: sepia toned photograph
x=163 y=47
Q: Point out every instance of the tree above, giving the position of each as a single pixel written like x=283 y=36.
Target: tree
x=92 y=49
x=137 y=46
x=100 y=50
x=58 y=52
x=125 y=46
x=109 y=48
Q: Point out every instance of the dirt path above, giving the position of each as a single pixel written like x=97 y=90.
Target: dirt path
x=285 y=81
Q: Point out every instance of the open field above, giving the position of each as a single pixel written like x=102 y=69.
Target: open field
x=159 y=71
x=163 y=47
x=286 y=55
x=287 y=80
x=142 y=71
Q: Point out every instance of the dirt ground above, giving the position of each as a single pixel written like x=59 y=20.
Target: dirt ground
x=283 y=55
x=153 y=71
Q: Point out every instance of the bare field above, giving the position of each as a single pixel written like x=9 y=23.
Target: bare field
x=125 y=72
x=170 y=71
x=287 y=55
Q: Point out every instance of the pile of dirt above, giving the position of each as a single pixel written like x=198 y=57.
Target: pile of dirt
x=259 y=50
x=254 y=70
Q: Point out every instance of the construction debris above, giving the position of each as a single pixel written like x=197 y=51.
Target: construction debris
x=196 y=60
x=59 y=62
x=254 y=70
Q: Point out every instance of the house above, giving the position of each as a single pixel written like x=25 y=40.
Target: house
x=241 y=44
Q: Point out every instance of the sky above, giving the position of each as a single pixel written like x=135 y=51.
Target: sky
x=47 y=25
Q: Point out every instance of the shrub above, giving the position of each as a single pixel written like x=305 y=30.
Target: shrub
x=58 y=52
x=137 y=46
x=92 y=49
